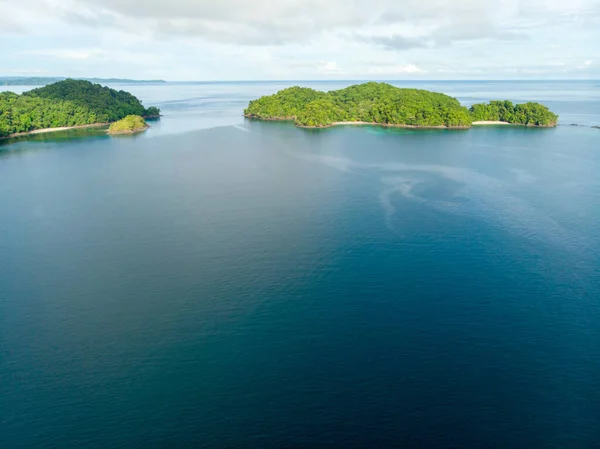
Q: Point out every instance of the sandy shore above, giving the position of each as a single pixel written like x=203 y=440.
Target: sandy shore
x=495 y=122
x=386 y=125
x=51 y=130
x=491 y=122
x=389 y=125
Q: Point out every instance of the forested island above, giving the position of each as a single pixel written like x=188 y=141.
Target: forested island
x=128 y=125
x=68 y=103
x=384 y=104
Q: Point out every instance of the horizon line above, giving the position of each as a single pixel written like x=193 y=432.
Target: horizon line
x=159 y=80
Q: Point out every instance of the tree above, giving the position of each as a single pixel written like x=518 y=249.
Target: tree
x=66 y=103
x=521 y=114
x=368 y=102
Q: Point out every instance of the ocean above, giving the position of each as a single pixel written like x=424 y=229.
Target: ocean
x=222 y=282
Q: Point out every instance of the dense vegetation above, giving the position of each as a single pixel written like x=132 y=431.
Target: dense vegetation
x=385 y=104
x=108 y=104
x=369 y=102
x=505 y=111
x=129 y=124
x=66 y=103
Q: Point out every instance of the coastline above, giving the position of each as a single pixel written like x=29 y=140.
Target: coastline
x=270 y=119
x=385 y=125
x=66 y=128
x=391 y=125
x=357 y=123
x=51 y=130
x=498 y=122
x=492 y=122
x=127 y=131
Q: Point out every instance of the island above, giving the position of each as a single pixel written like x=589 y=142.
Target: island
x=531 y=114
x=128 y=125
x=67 y=104
x=375 y=103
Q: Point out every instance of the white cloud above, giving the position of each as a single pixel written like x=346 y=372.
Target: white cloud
x=391 y=70
x=21 y=72
x=273 y=22
x=64 y=53
x=99 y=55
x=241 y=39
x=330 y=67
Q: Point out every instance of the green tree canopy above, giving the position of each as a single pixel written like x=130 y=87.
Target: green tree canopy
x=383 y=103
x=522 y=114
x=66 y=103
x=369 y=102
x=129 y=124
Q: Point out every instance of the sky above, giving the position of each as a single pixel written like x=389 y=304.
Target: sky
x=180 y=40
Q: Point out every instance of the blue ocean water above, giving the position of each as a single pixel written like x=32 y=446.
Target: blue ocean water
x=219 y=282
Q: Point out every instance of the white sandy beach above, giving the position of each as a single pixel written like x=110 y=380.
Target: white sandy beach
x=491 y=122
x=50 y=130
x=385 y=125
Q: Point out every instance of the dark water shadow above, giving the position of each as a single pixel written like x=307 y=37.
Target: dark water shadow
x=56 y=136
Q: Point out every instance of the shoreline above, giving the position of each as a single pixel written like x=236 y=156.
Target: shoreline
x=492 y=122
x=385 y=125
x=357 y=123
x=501 y=123
x=391 y=125
x=51 y=130
x=270 y=119
x=127 y=131
x=66 y=128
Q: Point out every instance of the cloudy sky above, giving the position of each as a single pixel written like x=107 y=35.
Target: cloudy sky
x=301 y=39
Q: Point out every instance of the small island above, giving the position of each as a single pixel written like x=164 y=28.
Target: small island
x=128 y=125
x=65 y=105
x=383 y=104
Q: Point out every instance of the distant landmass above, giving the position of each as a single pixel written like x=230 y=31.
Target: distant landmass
x=42 y=81
x=387 y=105
x=67 y=104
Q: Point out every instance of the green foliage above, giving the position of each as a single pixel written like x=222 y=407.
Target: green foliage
x=129 y=124
x=108 y=104
x=523 y=114
x=284 y=105
x=66 y=103
x=320 y=112
x=152 y=111
x=22 y=113
x=383 y=103
x=369 y=102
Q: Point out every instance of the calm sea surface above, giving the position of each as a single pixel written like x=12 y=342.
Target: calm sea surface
x=219 y=282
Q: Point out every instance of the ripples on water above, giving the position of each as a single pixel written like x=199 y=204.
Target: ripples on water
x=217 y=282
